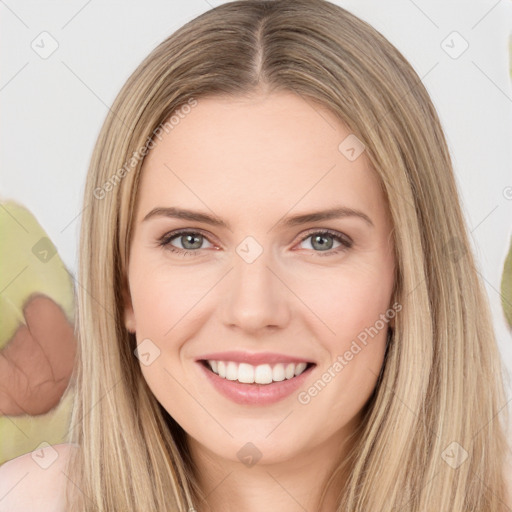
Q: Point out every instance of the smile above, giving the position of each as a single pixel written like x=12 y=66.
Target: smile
x=263 y=384
x=260 y=374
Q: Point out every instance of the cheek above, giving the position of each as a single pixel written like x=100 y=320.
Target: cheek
x=174 y=392
x=349 y=302
x=161 y=297
x=163 y=306
x=356 y=307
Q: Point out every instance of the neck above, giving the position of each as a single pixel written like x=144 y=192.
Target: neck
x=310 y=480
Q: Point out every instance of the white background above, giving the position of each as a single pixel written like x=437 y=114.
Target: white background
x=52 y=109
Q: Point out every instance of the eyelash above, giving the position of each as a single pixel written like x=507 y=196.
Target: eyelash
x=165 y=240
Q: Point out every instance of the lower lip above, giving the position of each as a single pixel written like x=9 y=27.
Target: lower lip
x=255 y=394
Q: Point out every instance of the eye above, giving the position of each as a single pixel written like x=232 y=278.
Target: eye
x=190 y=241
x=321 y=240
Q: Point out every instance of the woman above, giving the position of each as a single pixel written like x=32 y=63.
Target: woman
x=279 y=305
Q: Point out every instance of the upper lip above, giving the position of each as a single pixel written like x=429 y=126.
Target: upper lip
x=253 y=358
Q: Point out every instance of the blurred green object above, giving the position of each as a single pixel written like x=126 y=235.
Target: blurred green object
x=37 y=344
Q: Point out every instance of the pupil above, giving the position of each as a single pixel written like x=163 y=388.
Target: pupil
x=323 y=246
x=318 y=239
x=191 y=237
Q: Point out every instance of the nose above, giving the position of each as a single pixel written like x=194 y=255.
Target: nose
x=256 y=296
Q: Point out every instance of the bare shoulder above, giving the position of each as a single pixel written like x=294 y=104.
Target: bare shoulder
x=35 y=481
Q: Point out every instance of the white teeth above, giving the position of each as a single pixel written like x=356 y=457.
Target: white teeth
x=261 y=374
x=300 y=368
x=232 y=371
x=245 y=373
x=290 y=370
x=278 y=372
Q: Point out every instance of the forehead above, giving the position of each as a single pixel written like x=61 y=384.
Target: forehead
x=249 y=154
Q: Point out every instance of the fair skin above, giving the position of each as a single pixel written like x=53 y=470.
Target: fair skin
x=252 y=162
x=35 y=481
x=263 y=159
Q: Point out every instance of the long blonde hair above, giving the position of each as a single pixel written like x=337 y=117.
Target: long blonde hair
x=440 y=393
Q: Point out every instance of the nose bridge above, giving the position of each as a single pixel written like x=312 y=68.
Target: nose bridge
x=256 y=297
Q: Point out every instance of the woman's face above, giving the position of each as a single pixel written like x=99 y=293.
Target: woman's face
x=252 y=279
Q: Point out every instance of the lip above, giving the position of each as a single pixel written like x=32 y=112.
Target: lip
x=254 y=359
x=254 y=394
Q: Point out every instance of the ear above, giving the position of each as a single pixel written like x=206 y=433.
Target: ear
x=128 y=314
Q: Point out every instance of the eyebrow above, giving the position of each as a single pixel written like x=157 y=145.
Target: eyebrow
x=333 y=213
